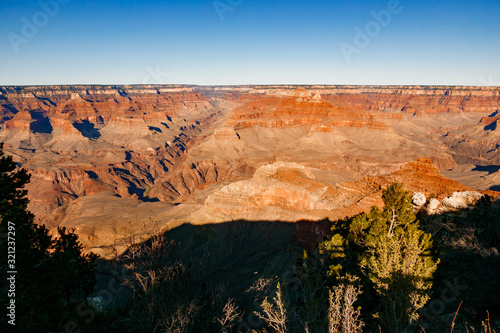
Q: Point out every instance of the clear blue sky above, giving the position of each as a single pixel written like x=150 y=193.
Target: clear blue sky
x=249 y=42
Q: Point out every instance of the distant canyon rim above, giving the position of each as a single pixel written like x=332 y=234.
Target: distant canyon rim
x=115 y=161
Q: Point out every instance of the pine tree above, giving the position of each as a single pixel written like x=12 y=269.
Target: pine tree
x=398 y=209
x=401 y=268
x=53 y=275
x=398 y=259
x=389 y=250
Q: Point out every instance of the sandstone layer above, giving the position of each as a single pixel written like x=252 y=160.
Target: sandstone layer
x=214 y=154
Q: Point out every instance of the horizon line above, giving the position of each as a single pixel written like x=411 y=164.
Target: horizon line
x=240 y=85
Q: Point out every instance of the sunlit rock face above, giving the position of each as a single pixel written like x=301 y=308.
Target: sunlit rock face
x=419 y=199
x=215 y=154
x=462 y=199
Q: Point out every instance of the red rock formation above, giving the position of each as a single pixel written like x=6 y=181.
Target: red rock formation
x=184 y=143
x=20 y=120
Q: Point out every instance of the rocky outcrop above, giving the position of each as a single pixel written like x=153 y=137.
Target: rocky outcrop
x=292 y=192
x=419 y=199
x=279 y=186
x=226 y=133
x=454 y=202
x=184 y=180
x=21 y=120
x=433 y=205
x=460 y=200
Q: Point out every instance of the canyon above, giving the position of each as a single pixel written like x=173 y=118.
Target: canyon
x=127 y=161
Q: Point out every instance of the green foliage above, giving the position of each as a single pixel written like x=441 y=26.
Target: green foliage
x=390 y=252
x=53 y=275
x=399 y=262
x=13 y=199
x=335 y=249
x=398 y=208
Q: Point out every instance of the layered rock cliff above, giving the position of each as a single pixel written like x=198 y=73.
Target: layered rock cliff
x=253 y=152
